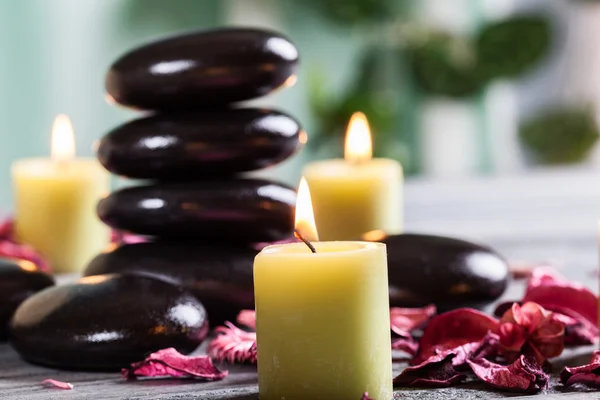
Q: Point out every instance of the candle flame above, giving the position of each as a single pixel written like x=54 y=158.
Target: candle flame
x=63 y=139
x=305 y=218
x=358 y=139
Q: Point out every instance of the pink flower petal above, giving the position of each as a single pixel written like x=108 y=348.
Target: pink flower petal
x=436 y=371
x=405 y=320
x=365 y=396
x=247 y=318
x=588 y=374
x=121 y=237
x=407 y=345
x=57 y=384
x=233 y=345
x=524 y=375
x=11 y=248
x=486 y=347
x=452 y=329
x=170 y=363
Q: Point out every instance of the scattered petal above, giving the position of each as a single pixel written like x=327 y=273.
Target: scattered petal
x=484 y=348
x=233 y=345
x=588 y=374
x=407 y=345
x=170 y=363
x=523 y=375
x=57 y=384
x=405 y=320
x=452 y=329
x=436 y=371
x=11 y=248
x=365 y=396
x=530 y=329
x=247 y=318
x=121 y=237
x=555 y=293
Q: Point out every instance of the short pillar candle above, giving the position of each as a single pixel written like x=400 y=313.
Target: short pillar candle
x=323 y=324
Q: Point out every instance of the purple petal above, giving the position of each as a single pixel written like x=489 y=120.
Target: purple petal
x=436 y=371
x=524 y=375
x=170 y=363
x=588 y=374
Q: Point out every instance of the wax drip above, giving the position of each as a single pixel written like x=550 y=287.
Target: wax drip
x=306 y=242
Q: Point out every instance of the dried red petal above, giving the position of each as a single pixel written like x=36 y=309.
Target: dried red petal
x=436 y=371
x=588 y=374
x=247 y=318
x=11 y=248
x=452 y=329
x=170 y=363
x=407 y=345
x=555 y=293
x=523 y=375
x=405 y=320
x=530 y=327
x=365 y=396
x=57 y=384
x=486 y=347
x=233 y=345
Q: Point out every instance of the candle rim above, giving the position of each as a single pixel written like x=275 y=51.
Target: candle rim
x=363 y=248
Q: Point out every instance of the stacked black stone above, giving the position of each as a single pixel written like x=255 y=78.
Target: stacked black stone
x=204 y=219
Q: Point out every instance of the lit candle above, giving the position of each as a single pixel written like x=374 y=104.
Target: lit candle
x=55 y=202
x=322 y=319
x=357 y=194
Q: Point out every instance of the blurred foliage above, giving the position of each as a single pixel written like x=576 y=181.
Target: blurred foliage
x=443 y=64
x=511 y=47
x=352 y=12
x=560 y=136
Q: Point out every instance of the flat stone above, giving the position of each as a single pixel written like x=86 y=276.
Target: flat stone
x=186 y=146
x=106 y=322
x=447 y=272
x=219 y=276
x=208 y=69
x=19 y=279
x=236 y=210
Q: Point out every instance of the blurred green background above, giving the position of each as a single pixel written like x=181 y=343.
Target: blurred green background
x=452 y=88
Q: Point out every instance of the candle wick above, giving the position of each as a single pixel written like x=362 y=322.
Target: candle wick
x=306 y=242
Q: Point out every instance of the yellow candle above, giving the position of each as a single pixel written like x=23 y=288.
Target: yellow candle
x=322 y=319
x=357 y=194
x=55 y=203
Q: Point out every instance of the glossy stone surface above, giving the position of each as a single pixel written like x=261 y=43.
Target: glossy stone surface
x=203 y=69
x=105 y=322
x=237 y=210
x=19 y=279
x=187 y=146
x=219 y=276
x=448 y=272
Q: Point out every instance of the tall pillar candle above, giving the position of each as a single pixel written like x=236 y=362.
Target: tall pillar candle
x=55 y=203
x=323 y=328
x=357 y=194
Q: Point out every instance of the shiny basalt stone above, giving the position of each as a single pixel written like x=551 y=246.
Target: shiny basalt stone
x=203 y=69
x=237 y=210
x=19 y=279
x=219 y=276
x=106 y=322
x=447 y=272
x=186 y=146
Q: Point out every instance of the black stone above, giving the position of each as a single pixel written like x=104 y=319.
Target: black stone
x=237 y=210
x=19 y=279
x=219 y=276
x=106 y=322
x=203 y=69
x=447 y=272
x=186 y=146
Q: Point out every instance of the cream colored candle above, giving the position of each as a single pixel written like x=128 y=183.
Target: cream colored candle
x=357 y=194
x=55 y=203
x=322 y=320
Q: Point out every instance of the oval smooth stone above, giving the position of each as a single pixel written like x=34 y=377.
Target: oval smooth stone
x=203 y=69
x=106 y=322
x=219 y=276
x=19 y=279
x=447 y=272
x=188 y=146
x=237 y=210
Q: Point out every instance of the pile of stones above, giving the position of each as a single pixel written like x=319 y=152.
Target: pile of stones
x=203 y=221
